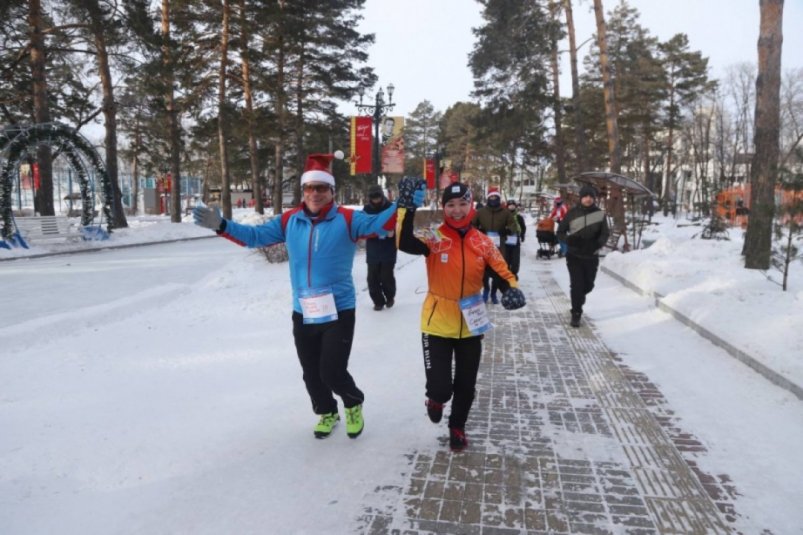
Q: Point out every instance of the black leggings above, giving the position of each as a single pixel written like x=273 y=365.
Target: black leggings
x=438 y=353
x=323 y=350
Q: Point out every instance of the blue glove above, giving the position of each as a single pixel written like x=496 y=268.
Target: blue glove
x=513 y=299
x=412 y=192
x=207 y=217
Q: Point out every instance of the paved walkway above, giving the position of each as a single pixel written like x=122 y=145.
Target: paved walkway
x=563 y=439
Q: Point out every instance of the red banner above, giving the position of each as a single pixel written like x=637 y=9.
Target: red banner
x=361 y=145
x=429 y=172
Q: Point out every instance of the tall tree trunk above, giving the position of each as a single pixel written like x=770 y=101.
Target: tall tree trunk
x=299 y=127
x=43 y=203
x=172 y=118
x=560 y=157
x=579 y=130
x=611 y=121
x=225 y=178
x=278 y=177
x=669 y=193
x=256 y=183
x=764 y=170
x=109 y=107
x=137 y=146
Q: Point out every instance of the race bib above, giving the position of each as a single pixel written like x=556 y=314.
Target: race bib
x=512 y=239
x=495 y=238
x=318 y=305
x=475 y=314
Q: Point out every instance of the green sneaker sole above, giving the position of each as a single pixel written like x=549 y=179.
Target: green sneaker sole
x=357 y=433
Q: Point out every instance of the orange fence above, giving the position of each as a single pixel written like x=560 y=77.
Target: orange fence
x=733 y=204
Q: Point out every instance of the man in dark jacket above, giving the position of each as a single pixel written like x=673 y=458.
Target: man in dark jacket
x=585 y=231
x=497 y=223
x=380 y=254
x=513 y=242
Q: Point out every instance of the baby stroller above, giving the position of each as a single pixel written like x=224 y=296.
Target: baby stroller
x=547 y=240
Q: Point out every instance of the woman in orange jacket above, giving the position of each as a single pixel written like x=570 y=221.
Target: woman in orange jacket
x=454 y=317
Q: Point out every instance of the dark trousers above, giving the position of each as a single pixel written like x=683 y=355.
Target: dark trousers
x=489 y=281
x=323 y=350
x=441 y=386
x=381 y=282
x=513 y=258
x=582 y=273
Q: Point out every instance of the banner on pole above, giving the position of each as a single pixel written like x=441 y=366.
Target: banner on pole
x=361 y=143
x=429 y=172
x=393 y=149
x=448 y=174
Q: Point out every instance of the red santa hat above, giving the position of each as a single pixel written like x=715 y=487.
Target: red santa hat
x=319 y=168
x=493 y=191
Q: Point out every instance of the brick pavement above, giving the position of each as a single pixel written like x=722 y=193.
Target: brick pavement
x=563 y=440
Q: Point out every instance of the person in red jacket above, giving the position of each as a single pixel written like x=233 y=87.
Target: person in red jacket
x=557 y=214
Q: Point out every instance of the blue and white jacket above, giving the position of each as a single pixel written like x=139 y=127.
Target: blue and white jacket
x=321 y=252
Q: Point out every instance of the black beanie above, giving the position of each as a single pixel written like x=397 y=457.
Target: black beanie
x=588 y=191
x=376 y=191
x=455 y=190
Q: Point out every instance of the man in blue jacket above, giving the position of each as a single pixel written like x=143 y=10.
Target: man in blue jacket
x=380 y=255
x=321 y=239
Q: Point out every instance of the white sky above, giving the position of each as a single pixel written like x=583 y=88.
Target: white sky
x=422 y=46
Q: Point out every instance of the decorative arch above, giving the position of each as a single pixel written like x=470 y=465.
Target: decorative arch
x=80 y=154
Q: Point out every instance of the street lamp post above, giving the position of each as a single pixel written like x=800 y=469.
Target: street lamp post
x=377 y=111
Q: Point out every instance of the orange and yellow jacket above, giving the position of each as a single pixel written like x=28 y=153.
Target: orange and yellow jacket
x=455 y=266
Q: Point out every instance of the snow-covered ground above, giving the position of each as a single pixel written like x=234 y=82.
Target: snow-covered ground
x=156 y=389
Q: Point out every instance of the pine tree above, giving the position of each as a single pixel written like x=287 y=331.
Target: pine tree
x=420 y=136
x=510 y=63
x=686 y=78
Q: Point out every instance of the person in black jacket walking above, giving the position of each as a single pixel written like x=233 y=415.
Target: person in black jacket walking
x=513 y=242
x=380 y=254
x=585 y=231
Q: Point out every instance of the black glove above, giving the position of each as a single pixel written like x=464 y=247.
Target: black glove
x=411 y=192
x=513 y=299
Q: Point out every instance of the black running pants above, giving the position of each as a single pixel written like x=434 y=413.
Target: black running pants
x=441 y=385
x=323 y=350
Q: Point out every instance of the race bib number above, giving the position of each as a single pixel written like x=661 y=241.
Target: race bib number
x=475 y=314
x=318 y=305
x=513 y=239
x=495 y=238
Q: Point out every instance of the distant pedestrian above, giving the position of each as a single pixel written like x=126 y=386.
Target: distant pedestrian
x=453 y=318
x=557 y=214
x=585 y=231
x=496 y=222
x=513 y=242
x=380 y=255
x=321 y=239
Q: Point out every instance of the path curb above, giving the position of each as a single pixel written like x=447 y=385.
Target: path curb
x=768 y=373
x=105 y=248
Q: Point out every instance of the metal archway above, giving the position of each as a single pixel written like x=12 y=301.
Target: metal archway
x=80 y=154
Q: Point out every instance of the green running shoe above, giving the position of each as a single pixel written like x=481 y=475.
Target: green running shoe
x=325 y=425
x=354 y=421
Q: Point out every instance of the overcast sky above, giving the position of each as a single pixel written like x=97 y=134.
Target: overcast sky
x=422 y=46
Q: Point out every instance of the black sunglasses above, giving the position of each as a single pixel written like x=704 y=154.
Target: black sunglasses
x=318 y=188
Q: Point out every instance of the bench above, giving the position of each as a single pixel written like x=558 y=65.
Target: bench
x=46 y=228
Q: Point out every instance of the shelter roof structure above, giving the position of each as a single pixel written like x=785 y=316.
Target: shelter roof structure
x=602 y=180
